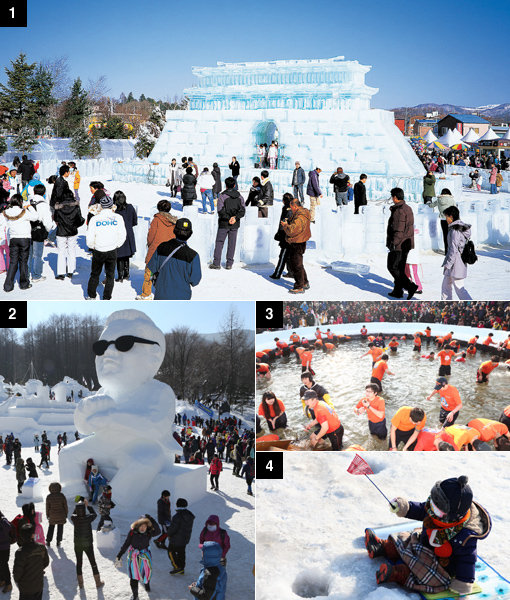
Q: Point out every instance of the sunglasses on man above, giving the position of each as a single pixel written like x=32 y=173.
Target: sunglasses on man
x=124 y=343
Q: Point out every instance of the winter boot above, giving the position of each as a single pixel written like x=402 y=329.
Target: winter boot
x=377 y=547
x=126 y=269
x=147 y=587
x=134 y=588
x=80 y=581
x=97 y=579
x=393 y=574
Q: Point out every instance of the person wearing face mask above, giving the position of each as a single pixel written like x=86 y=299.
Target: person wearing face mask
x=212 y=532
x=442 y=556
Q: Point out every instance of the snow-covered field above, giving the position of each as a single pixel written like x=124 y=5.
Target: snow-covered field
x=235 y=508
x=326 y=284
x=310 y=525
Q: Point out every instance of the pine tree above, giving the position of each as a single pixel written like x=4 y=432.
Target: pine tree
x=16 y=106
x=147 y=137
x=41 y=87
x=95 y=144
x=114 y=129
x=81 y=142
x=130 y=97
x=76 y=111
x=25 y=140
x=157 y=118
x=142 y=98
x=3 y=146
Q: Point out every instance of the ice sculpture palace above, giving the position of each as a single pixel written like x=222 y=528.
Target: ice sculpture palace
x=318 y=110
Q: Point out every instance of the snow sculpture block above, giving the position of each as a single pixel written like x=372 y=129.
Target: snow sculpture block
x=32 y=489
x=129 y=420
x=318 y=110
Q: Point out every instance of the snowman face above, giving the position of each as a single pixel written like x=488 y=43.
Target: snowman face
x=124 y=371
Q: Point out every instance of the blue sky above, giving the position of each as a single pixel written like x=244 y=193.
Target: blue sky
x=455 y=52
x=203 y=317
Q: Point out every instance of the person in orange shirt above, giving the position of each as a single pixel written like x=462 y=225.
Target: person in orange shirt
x=450 y=401
x=319 y=333
x=318 y=343
x=445 y=355
x=484 y=370
x=448 y=336
x=406 y=423
x=463 y=436
x=462 y=357
x=505 y=416
x=363 y=331
x=273 y=410
x=263 y=371
x=489 y=430
x=326 y=417
x=283 y=347
x=380 y=368
x=330 y=335
x=428 y=333
x=473 y=341
x=488 y=340
x=471 y=349
x=430 y=356
x=294 y=338
x=431 y=440
x=417 y=342
x=375 y=352
x=393 y=345
x=374 y=406
x=328 y=347
x=306 y=361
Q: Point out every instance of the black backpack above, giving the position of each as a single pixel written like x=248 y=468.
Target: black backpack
x=39 y=233
x=468 y=253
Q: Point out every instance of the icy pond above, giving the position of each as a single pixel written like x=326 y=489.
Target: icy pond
x=344 y=374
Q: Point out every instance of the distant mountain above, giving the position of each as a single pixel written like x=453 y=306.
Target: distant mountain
x=495 y=113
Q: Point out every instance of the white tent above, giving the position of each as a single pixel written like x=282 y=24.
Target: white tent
x=429 y=137
x=452 y=136
x=507 y=135
x=489 y=135
x=470 y=137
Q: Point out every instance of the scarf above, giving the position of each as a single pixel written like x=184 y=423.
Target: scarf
x=440 y=532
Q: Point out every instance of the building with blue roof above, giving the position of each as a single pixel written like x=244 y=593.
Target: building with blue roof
x=463 y=123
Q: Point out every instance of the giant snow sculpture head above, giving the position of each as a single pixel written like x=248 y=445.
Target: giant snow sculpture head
x=129 y=352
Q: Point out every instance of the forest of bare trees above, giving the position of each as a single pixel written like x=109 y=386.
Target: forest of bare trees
x=196 y=367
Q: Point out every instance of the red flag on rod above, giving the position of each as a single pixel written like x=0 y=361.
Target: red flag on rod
x=359 y=466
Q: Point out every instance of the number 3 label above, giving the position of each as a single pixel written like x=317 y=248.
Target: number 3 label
x=269 y=313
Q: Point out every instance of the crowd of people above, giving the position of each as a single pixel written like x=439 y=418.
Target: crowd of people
x=169 y=530
x=407 y=425
x=489 y=315
x=435 y=160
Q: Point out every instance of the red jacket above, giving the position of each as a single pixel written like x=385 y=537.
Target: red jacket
x=216 y=467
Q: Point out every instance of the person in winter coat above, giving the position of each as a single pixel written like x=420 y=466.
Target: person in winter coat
x=188 y=192
x=106 y=233
x=313 y=190
x=254 y=193
x=61 y=185
x=128 y=248
x=31 y=468
x=56 y=512
x=40 y=230
x=231 y=209
x=249 y=470
x=215 y=468
x=7 y=534
x=19 y=231
x=340 y=181
x=298 y=181
x=413 y=263
x=429 y=190
x=399 y=241
x=272 y=155
x=69 y=219
x=280 y=237
x=105 y=505
x=83 y=540
x=139 y=560
x=360 y=193
x=176 y=264
x=97 y=190
x=29 y=563
x=235 y=169
x=16 y=449
x=4 y=241
x=266 y=195
x=212 y=532
x=442 y=556
x=34 y=518
x=173 y=178
x=444 y=201
x=96 y=481
x=75 y=178
x=492 y=180
x=164 y=517
x=179 y=535
x=161 y=230
x=206 y=183
x=45 y=454
x=454 y=268
x=216 y=173
x=297 y=233
x=212 y=581
x=21 y=474
x=26 y=170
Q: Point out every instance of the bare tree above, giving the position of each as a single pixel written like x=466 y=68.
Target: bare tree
x=59 y=70
x=97 y=88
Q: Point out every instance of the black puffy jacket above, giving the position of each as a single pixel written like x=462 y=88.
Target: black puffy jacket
x=59 y=188
x=189 y=191
x=68 y=218
x=83 y=526
x=181 y=526
x=28 y=571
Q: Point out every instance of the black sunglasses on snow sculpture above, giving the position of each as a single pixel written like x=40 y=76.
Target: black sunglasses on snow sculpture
x=124 y=343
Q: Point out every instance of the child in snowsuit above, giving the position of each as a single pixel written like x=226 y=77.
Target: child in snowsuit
x=105 y=506
x=179 y=535
x=212 y=532
x=443 y=554
x=212 y=582
x=83 y=540
x=96 y=480
x=139 y=555
x=164 y=517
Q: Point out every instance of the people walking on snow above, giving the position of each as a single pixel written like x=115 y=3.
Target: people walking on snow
x=56 y=512
x=266 y=195
x=360 y=193
x=179 y=535
x=215 y=468
x=212 y=532
x=212 y=581
x=40 y=230
x=429 y=191
x=298 y=181
x=454 y=268
x=188 y=191
x=314 y=191
x=83 y=540
x=174 y=178
x=128 y=248
x=297 y=233
x=164 y=518
x=206 y=183
x=281 y=238
x=30 y=561
x=249 y=471
x=444 y=200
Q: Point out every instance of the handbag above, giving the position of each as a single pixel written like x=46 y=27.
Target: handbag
x=167 y=183
x=155 y=275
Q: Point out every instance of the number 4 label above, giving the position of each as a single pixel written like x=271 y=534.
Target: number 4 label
x=269 y=465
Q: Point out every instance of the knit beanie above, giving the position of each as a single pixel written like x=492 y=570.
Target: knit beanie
x=453 y=496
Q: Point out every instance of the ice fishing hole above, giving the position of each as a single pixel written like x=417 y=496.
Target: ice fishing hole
x=311 y=585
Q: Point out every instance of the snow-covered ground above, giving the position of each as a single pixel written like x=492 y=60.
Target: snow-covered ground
x=326 y=284
x=235 y=508
x=310 y=524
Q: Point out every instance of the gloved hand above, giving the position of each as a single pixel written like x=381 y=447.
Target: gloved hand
x=400 y=506
x=118 y=562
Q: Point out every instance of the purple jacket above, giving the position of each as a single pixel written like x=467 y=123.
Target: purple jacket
x=313 y=189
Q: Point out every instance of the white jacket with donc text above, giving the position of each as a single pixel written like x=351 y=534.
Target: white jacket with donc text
x=106 y=231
